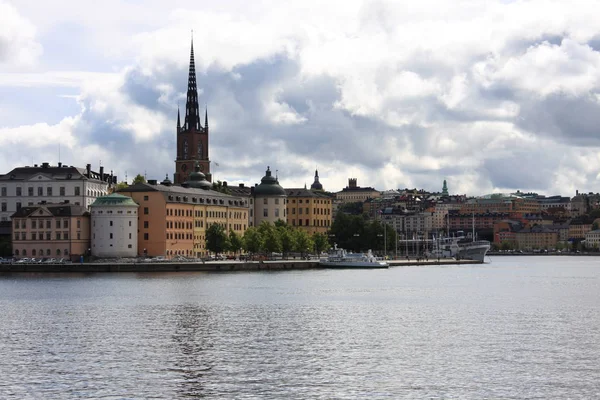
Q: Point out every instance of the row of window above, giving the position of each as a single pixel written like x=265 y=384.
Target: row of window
x=41 y=252
x=200 y=214
x=110 y=236
x=40 y=191
x=316 y=211
x=39 y=224
x=316 y=222
x=44 y=236
x=118 y=212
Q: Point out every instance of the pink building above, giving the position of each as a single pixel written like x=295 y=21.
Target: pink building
x=51 y=230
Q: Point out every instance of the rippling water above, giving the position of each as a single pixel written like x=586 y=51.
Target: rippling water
x=520 y=327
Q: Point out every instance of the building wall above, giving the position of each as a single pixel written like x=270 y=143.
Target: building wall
x=58 y=237
x=536 y=240
x=114 y=231
x=275 y=207
x=312 y=214
x=353 y=196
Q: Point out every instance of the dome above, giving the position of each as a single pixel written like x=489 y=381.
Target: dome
x=197 y=179
x=114 y=199
x=316 y=185
x=269 y=186
x=167 y=181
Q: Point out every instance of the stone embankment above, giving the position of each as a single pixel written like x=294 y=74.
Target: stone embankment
x=214 y=266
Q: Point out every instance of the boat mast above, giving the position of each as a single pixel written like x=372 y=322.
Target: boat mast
x=473 y=227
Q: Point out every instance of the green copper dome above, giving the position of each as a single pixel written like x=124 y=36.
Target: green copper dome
x=269 y=186
x=114 y=199
x=197 y=179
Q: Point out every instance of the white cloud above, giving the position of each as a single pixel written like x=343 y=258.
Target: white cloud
x=18 y=45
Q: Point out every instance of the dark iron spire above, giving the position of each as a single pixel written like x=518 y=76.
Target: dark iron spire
x=192 y=112
x=206 y=117
x=178 y=120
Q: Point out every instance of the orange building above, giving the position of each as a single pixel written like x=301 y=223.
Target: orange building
x=173 y=219
x=51 y=230
x=309 y=210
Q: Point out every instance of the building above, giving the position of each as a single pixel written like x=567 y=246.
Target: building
x=592 y=239
x=353 y=193
x=269 y=200
x=192 y=137
x=114 y=220
x=536 y=238
x=172 y=220
x=309 y=210
x=51 y=230
x=45 y=183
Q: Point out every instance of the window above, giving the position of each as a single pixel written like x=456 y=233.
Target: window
x=110 y=223
x=277 y=212
x=66 y=252
x=3 y=206
x=77 y=191
x=30 y=191
x=78 y=236
x=145 y=224
x=62 y=190
x=40 y=191
x=299 y=211
x=276 y=201
x=145 y=198
x=145 y=210
x=48 y=224
x=265 y=212
x=145 y=236
x=49 y=191
x=33 y=236
x=306 y=210
x=130 y=235
x=57 y=235
x=265 y=201
x=19 y=191
x=58 y=224
x=307 y=222
x=65 y=223
x=66 y=235
x=33 y=224
x=129 y=246
x=110 y=235
x=129 y=223
x=293 y=211
x=79 y=223
x=48 y=236
x=4 y=192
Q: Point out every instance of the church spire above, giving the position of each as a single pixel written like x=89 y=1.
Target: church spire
x=206 y=117
x=192 y=112
x=178 y=120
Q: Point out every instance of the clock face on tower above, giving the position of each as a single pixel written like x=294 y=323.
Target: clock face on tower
x=201 y=167
x=183 y=167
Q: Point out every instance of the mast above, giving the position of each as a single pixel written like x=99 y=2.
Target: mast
x=473 y=227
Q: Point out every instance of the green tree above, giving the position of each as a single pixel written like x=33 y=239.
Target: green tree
x=303 y=242
x=216 y=239
x=235 y=242
x=271 y=240
x=287 y=238
x=219 y=187
x=320 y=241
x=120 y=186
x=253 y=241
x=139 y=178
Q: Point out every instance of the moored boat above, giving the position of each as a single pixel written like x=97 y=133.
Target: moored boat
x=340 y=258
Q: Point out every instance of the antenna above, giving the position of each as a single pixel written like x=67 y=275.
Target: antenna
x=59 y=152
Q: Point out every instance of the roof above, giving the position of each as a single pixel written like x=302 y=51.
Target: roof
x=180 y=194
x=301 y=192
x=114 y=199
x=357 y=189
x=269 y=186
x=55 y=210
x=63 y=172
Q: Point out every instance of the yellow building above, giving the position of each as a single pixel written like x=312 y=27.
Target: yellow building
x=537 y=237
x=173 y=219
x=354 y=194
x=309 y=210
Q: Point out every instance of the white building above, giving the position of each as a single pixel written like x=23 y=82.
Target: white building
x=592 y=239
x=45 y=184
x=114 y=226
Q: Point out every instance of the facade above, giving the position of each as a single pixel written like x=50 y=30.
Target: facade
x=51 y=230
x=49 y=184
x=419 y=223
x=269 y=200
x=192 y=137
x=592 y=239
x=353 y=193
x=536 y=238
x=172 y=220
x=309 y=210
x=114 y=220
x=501 y=203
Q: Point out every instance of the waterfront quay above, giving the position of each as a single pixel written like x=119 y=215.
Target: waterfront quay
x=212 y=266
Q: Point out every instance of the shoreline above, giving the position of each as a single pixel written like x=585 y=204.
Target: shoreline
x=213 y=266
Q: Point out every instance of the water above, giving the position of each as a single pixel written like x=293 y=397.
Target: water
x=518 y=328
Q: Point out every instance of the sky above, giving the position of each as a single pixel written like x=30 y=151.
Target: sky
x=493 y=96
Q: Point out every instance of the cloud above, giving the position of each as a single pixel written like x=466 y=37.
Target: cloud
x=18 y=47
x=490 y=96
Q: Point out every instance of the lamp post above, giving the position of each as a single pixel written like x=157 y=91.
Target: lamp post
x=356 y=235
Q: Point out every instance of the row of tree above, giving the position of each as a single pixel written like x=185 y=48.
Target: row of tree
x=267 y=238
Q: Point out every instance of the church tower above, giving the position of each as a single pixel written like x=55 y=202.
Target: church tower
x=192 y=137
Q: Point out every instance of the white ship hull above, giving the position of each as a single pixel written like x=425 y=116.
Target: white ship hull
x=473 y=251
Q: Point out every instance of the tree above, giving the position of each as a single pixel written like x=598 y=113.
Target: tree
x=252 y=241
x=216 y=239
x=121 y=185
x=271 y=240
x=287 y=238
x=219 y=187
x=320 y=241
x=235 y=242
x=139 y=178
x=303 y=242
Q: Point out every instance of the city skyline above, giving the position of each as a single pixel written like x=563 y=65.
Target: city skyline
x=492 y=98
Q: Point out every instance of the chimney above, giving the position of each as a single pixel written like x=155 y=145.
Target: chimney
x=35 y=165
x=152 y=182
x=224 y=184
x=241 y=185
x=59 y=164
x=88 y=169
x=45 y=165
x=102 y=173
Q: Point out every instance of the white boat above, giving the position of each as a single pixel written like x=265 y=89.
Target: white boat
x=340 y=258
x=460 y=248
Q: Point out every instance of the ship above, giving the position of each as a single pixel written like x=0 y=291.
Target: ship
x=340 y=258
x=460 y=248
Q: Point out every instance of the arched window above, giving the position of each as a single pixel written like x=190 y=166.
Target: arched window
x=24 y=252
x=16 y=252
x=66 y=252
x=47 y=252
x=33 y=252
x=58 y=252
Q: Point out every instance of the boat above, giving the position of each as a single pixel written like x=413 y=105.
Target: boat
x=340 y=258
x=460 y=248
